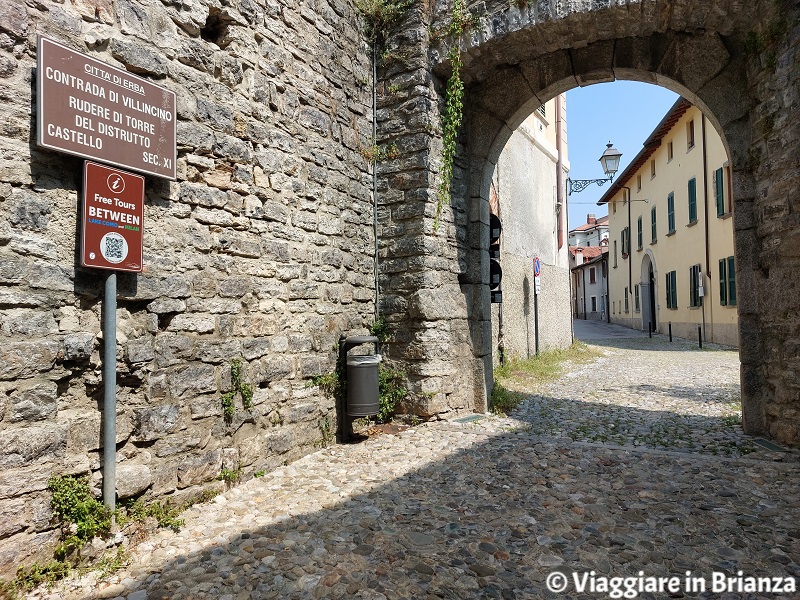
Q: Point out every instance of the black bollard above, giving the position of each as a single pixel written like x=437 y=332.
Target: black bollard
x=700 y=335
x=670 y=331
x=649 y=329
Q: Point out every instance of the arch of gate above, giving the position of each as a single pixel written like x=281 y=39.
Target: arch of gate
x=516 y=59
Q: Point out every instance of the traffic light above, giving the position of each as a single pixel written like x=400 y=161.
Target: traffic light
x=495 y=271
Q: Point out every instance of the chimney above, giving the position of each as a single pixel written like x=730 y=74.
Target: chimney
x=578 y=256
x=591 y=219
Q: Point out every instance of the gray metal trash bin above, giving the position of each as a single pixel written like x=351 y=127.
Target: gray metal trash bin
x=362 y=385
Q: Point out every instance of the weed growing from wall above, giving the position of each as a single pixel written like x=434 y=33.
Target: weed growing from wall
x=245 y=390
x=391 y=392
x=381 y=16
x=81 y=516
x=230 y=476
x=453 y=106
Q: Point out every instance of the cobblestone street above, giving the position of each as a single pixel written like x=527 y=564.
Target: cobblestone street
x=634 y=463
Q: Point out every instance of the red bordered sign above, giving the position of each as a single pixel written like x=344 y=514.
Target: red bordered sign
x=113 y=218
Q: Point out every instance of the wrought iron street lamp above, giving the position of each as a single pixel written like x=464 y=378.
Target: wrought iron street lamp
x=610 y=163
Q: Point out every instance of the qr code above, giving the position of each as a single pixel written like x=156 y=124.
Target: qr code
x=114 y=248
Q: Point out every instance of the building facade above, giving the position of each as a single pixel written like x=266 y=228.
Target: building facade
x=589 y=268
x=591 y=233
x=671 y=258
x=526 y=199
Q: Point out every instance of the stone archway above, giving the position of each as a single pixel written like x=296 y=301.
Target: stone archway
x=515 y=60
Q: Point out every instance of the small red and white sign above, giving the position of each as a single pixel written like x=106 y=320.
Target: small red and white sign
x=113 y=218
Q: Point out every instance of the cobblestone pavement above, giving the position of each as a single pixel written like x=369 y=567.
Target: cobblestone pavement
x=645 y=392
x=489 y=508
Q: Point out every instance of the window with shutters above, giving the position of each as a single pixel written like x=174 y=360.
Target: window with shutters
x=652 y=168
x=639 y=232
x=592 y=275
x=636 y=302
x=692 y=200
x=695 y=278
x=670 y=152
x=627 y=304
x=727 y=282
x=594 y=303
x=719 y=191
x=653 y=225
x=690 y=135
x=671 y=213
x=672 y=289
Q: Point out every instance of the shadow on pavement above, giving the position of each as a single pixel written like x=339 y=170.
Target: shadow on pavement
x=490 y=520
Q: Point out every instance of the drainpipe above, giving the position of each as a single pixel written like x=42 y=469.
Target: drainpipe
x=560 y=200
x=705 y=211
x=630 y=254
x=608 y=294
x=375 y=170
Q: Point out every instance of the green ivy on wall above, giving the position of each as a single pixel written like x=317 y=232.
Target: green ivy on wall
x=454 y=106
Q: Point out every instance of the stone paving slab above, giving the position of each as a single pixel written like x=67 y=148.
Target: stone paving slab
x=486 y=509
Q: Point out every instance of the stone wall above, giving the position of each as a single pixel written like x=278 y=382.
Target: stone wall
x=422 y=269
x=735 y=61
x=262 y=250
x=766 y=230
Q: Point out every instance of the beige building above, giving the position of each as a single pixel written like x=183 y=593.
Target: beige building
x=525 y=196
x=671 y=258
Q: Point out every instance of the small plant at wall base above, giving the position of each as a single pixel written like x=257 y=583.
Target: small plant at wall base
x=137 y=510
x=230 y=476
x=326 y=429
x=391 y=391
x=81 y=516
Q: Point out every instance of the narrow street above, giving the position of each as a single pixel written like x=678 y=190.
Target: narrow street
x=631 y=466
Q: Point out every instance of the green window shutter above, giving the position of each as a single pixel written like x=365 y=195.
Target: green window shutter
x=718 y=191
x=653 y=224
x=672 y=292
x=723 y=282
x=731 y=282
x=639 y=232
x=692 y=200
x=671 y=212
x=669 y=291
x=694 y=286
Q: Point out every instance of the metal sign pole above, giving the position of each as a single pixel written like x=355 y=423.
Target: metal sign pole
x=536 y=320
x=110 y=391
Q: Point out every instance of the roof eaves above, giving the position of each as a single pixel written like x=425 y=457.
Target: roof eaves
x=649 y=146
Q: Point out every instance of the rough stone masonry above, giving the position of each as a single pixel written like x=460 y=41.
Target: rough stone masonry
x=737 y=61
x=263 y=248
x=261 y=251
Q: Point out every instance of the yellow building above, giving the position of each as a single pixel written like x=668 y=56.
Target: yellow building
x=671 y=257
